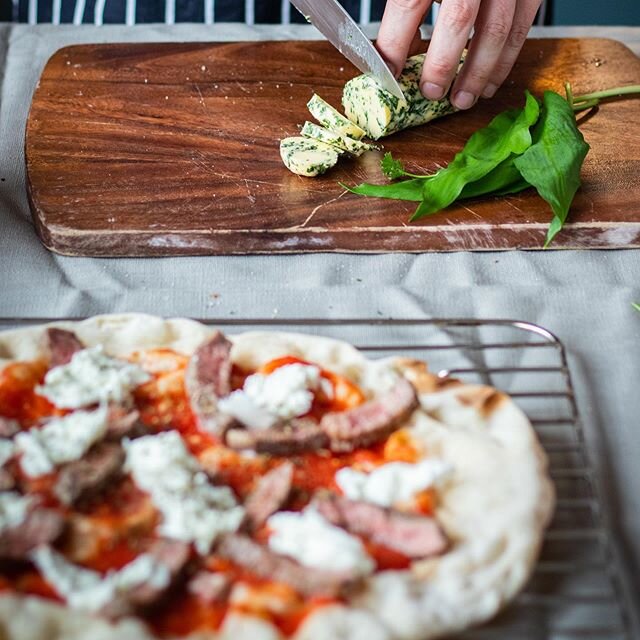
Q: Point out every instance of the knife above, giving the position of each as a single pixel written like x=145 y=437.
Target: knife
x=330 y=18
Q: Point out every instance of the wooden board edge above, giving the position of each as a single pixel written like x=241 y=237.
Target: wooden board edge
x=311 y=240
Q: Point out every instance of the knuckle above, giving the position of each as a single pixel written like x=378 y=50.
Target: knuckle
x=477 y=77
x=459 y=15
x=497 y=31
x=438 y=68
x=517 y=36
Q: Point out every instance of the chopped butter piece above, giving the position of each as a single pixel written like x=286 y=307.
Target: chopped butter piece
x=307 y=157
x=316 y=132
x=332 y=119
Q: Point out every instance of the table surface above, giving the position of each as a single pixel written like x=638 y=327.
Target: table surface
x=583 y=296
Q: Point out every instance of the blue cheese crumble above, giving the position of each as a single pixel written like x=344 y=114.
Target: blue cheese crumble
x=392 y=483
x=88 y=590
x=90 y=378
x=265 y=400
x=60 y=440
x=193 y=509
x=314 y=542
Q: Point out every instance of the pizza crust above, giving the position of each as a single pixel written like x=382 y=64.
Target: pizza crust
x=495 y=509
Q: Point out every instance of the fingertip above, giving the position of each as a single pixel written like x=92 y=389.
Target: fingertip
x=432 y=91
x=463 y=100
x=490 y=90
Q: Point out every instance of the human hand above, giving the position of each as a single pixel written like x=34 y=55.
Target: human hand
x=500 y=29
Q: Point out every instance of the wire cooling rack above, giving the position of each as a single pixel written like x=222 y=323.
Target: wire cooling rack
x=576 y=590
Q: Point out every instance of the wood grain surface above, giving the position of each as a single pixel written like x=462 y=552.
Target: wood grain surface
x=172 y=149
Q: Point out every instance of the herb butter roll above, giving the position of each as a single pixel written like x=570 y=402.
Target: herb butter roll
x=380 y=113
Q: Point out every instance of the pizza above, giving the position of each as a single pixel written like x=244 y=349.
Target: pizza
x=162 y=479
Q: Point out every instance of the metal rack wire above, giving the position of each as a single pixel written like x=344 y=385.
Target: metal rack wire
x=576 y=590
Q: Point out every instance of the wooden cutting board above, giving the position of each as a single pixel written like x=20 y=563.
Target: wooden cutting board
x=172 y=149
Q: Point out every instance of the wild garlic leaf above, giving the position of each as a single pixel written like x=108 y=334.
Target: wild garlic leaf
x=508 y=133
x=392 y=168
x=502 y=180
x=636 y=306
x=404 y=190
x=552 y=164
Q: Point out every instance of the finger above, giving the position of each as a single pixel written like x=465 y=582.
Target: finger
x=450 y=35
x=492 y=29
x=523 y=19
x=417 y=45
x=401 y=20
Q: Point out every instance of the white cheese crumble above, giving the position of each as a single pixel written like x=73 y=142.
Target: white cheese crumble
x=193 y=510
x=89 y=590
x=265 y=400
x=13 y=509
x=393 y=482
x=60 y=440
x=92 y=377
x=314 y=542
x=7 y=450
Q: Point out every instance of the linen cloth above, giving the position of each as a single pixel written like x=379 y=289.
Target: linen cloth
x=583 y=296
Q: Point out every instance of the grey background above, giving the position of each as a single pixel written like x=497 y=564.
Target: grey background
x=584 y=297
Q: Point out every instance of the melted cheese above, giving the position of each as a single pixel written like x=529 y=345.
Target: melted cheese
x=314 y=542
x=193 y=510
x=265 y=400
x=92 y=377
x=90 y=591
x=60 y=440
x=392 y=483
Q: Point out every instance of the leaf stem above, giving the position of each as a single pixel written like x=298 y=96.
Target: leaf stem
x=588 y=100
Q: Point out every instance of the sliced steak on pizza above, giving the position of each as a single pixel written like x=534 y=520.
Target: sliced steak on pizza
x=83 y=480
x=39 y=526
x=296 y=436
x=414 y=536
x=208 y=378
x=270 y=495
x=263 y=562
x=62 y=346
x=373 y=421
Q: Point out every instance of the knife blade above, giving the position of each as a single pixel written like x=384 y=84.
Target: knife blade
x=331 y=19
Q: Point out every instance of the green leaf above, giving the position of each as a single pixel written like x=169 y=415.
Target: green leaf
x=552 y=164
x=508 y=133
x=636 y=306
x=405 y=190
x=502 y=180
x=392 y=168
